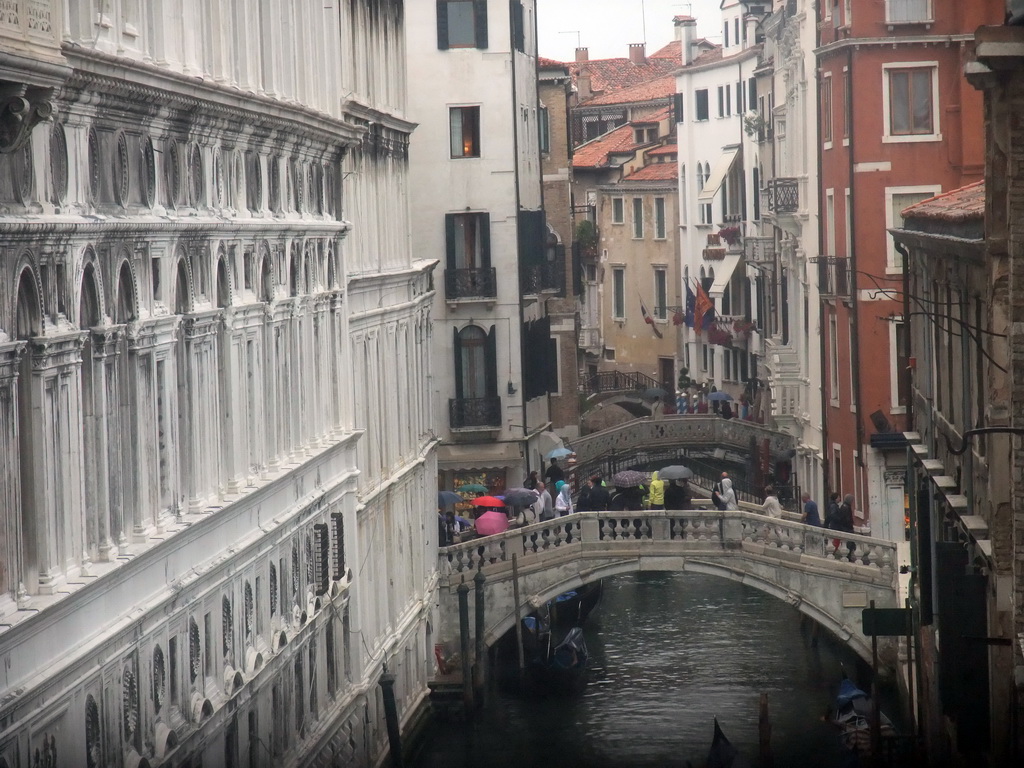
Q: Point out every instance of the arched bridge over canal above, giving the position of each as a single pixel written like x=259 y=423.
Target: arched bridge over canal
x=799 y=564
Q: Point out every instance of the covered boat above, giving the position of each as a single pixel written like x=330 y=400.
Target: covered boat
x=853 y=718
x=723 y=754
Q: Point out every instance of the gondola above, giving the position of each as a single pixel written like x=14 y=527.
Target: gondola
x=571 y=609
x=723 y=754
x=852 y=716
x=564 y=668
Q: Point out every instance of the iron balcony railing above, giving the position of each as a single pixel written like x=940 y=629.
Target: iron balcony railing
x=780 y=195
x=833 y=277
x=547 y=276
x=474 y=412
x=470 y=283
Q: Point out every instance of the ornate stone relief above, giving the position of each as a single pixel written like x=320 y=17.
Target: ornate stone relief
x=173 y=173
x=148 y=172
x=94 y=166
x=22 y=108
x=58 y=164
x=122 y=170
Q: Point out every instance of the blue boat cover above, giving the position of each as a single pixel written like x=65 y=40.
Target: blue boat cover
x=848 y=692
x=530 y=622
x=565 y=596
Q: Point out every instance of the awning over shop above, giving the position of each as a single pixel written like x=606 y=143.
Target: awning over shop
x=718 y=173
x=478 y=456
x=723 y=273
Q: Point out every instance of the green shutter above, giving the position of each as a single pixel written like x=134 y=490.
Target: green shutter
x=457 y=350
x=484 y=222
x=491 y=363
x=442 y=24
x=449 y=239
x=480 y=13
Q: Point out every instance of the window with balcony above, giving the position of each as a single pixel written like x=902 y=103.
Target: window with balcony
x=638 y=218
x=701 y=104
x=659 y=218
x=476 y=401
x=618 y=210
x=660 y=293
x=461 y=24
x=465 y=131
x=910 y=101
x=619 y=293
x=468 y=270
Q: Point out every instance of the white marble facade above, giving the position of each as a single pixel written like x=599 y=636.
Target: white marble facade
x=216 y=462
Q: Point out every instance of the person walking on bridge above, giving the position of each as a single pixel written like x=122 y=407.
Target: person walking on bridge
x=729 y=496
x=810 y=515
x=656 y=492
x=771 y=506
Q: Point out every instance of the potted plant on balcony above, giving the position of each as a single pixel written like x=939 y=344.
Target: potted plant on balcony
x=731 y=235
x=586 y=236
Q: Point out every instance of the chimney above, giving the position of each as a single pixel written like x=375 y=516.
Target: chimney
x=583 y=85
x=637 y=53
x=582 y=54
x=686 y=28
x=751 y=22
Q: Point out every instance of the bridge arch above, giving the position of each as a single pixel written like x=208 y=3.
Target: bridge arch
x=827 y=575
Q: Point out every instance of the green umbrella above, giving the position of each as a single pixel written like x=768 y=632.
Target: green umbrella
x=473 y=488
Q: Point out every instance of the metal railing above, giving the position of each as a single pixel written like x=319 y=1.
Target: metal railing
x=780 y=195
x=833 y=277
x=546 y=276
x=470 y=283
x=469 y=412
x=617 y=381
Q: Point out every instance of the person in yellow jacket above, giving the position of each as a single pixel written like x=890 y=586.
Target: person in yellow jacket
x=656 y=492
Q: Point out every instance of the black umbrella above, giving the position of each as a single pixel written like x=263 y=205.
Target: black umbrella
x=653 y=393
x=447 y=498
x=520 y=497
x=628 y=478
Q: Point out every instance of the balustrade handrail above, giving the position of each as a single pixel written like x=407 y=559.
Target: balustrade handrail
x=617 y=381
x=694 y=529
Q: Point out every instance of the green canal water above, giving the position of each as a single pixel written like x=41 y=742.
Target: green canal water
x=669 y=652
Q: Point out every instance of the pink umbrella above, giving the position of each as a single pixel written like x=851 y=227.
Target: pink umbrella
x=491 y=522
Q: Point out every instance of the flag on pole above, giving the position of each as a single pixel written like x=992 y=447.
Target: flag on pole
x=691 y=303
x=648 y=319
x=703 y=309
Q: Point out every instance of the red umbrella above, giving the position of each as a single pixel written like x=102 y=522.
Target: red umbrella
x=487 y=501
x=492 y=522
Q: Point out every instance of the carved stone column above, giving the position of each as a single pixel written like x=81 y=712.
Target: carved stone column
x=197 y=431
x=103 y=494
x=10 y=473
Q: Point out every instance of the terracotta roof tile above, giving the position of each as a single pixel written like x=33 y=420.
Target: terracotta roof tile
x=550 y=63
x=654 y=172
x=659 y=88
x=608 y=75
x=594 y=154
x=957 y=205
x=673 y=50
x=668 y=149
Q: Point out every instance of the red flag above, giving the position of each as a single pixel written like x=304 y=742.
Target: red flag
x=648 y=319
x=703 y=306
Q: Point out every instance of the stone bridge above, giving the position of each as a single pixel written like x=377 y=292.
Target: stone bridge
x=799 y=564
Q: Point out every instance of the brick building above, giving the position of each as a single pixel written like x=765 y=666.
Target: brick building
x=898 y=124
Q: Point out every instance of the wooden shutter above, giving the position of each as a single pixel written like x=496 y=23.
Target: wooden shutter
x=518 y=31
x=484 y=222
x=338 y=519
x=491 y=363
x=442 y=24
x=449 y=239
x=677 y=107
x=480 y=14
x=457 y=351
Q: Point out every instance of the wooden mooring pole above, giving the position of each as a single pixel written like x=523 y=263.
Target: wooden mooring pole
x=480 y=662
x=467 y=669
x=764 y=733
x=519 y=617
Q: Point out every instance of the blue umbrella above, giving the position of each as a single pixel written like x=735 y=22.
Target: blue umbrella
x=719 y=396
x=559 y=453
x=447 y=498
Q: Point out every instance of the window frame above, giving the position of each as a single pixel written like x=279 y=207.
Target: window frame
x=619 y=293
x=638 y=218
x=833 y=359
x=618 y=210
x=660 y=312
x=893 y=265
x=463 y=110
x=660 y=219
x=698 y=95
x=826 y=110
x=888 y=136
x=895 y=325
x=479 y=25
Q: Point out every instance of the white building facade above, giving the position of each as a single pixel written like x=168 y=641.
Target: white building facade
x=216 y=461
x=477 y=209
x=786 y=123
x=719 y=166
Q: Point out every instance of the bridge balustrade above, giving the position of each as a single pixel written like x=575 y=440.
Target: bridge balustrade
x=674 y=532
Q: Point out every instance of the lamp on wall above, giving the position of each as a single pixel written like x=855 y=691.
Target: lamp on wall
x=511 y=387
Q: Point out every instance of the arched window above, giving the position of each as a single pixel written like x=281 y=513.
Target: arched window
x=182 y=297
x=159 y=679
x=27 y=323
x=472 y=340
x=223 y=287
x=125 y=311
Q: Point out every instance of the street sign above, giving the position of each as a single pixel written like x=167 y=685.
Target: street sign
x=879 y=622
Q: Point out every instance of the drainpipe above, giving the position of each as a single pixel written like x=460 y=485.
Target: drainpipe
x=905 y=374
x=826 y=464
x=852 y=256
x=519 y=266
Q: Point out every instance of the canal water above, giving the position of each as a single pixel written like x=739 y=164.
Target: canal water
x=669 y=652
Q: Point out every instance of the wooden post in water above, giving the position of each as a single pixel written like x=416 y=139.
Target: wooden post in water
x=481 y=647
x=387 y=687
x=876 y=733
x=519 y=616
x=764 y=733
x=467 y=670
